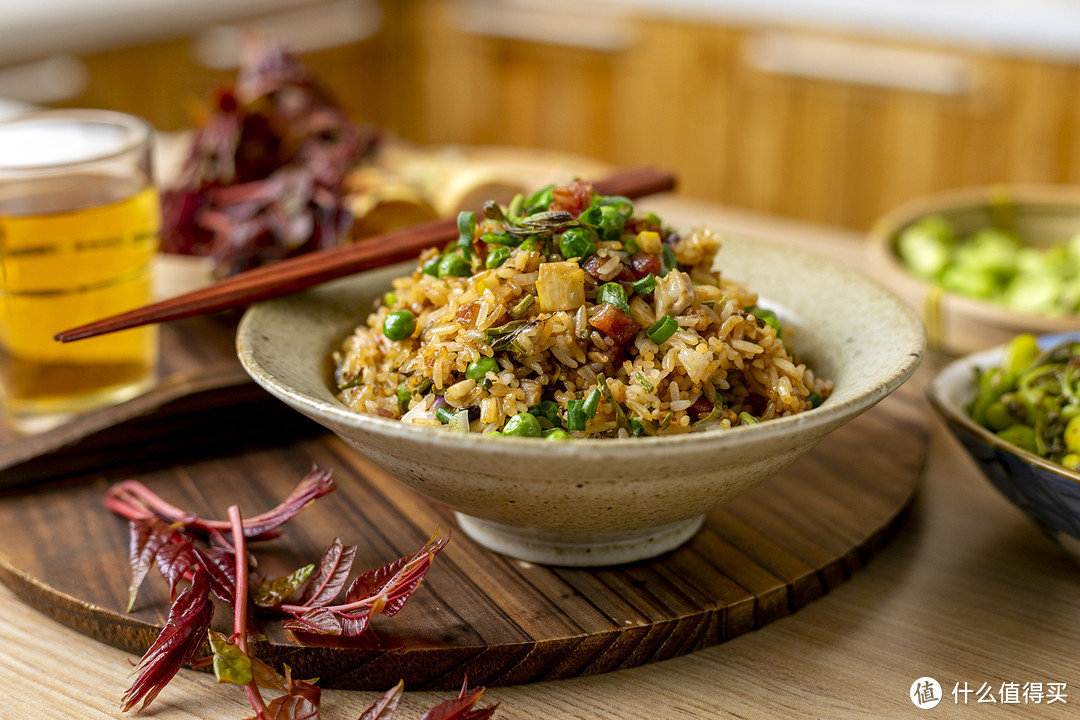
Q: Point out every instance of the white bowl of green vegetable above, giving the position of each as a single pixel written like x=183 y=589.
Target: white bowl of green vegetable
x=984 y=264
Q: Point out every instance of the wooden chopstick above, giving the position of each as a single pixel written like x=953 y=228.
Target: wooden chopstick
x=305 y=271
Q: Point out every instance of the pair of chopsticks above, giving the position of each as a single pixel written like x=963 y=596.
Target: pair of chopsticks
x=305 y=271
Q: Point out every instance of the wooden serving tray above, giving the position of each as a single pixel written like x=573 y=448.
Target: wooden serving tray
x=500 y=621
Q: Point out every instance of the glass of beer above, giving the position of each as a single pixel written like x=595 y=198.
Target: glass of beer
x=79 y=222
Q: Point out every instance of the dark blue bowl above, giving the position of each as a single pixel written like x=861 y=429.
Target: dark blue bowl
x=1048 y=493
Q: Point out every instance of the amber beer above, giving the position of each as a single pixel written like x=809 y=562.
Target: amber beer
x=79 y=222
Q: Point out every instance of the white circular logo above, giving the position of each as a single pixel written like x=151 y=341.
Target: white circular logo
x=925 y=693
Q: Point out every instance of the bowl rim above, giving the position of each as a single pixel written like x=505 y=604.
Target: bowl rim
x=938 y=396
x=828 y=414
x=885 y=229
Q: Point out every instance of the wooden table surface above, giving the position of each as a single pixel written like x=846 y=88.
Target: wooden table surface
x=968 y=592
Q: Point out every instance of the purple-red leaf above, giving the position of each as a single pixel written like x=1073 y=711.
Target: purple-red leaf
x=148 y=535
x=384 y=707
x=334 y=569
x=236 y=201
x=314 y=485
x=461 y=708
x=220 y=568
x=178 y=642
x=174 y=559
x=320 y=621
x=395 y=581
x=133 y=500
x=301 y=702
x=292 y=707
x=355 y=623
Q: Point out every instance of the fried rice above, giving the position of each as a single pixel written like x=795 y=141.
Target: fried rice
x=569 y=309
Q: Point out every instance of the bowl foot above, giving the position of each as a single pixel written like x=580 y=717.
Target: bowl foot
x=524 y=544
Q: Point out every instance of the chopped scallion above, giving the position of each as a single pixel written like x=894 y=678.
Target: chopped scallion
x=662 y=330
x=575 y=415
x=613 y=293
x=592 y=402
x=645 y=285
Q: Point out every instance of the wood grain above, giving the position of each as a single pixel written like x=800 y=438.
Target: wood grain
x=759 y=558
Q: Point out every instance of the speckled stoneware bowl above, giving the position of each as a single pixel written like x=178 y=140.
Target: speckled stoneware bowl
x=599 y=502
x=1047 y=493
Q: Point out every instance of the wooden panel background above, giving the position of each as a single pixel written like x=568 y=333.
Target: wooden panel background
x=679 y=95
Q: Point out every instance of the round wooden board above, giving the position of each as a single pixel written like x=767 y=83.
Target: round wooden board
x=500 y=621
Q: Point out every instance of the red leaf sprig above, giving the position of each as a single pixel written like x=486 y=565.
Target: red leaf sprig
x=384 y=590
x=178 y=642
x=240 y=606
x=213 y=557
x=265 y=177
x=166 y=536
x=135 y=501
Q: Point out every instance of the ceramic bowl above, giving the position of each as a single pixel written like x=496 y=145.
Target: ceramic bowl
x=1047 y=493
x=960 y=325
x=599 y=502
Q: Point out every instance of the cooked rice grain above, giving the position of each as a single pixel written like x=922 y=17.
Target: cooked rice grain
x=721 y=350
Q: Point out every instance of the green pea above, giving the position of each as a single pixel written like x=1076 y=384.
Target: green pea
x=496 y=257
x=522 y=425
x=612 y=223
x=399 y=325
x=431 y=266
x=577 y=242
x=478 y=369
x=454 y=265
x=557 y=434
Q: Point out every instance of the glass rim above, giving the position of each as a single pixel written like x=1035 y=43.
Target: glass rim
x=139 y=129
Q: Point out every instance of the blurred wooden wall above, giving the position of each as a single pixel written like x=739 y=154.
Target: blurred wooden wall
x=777 y=119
